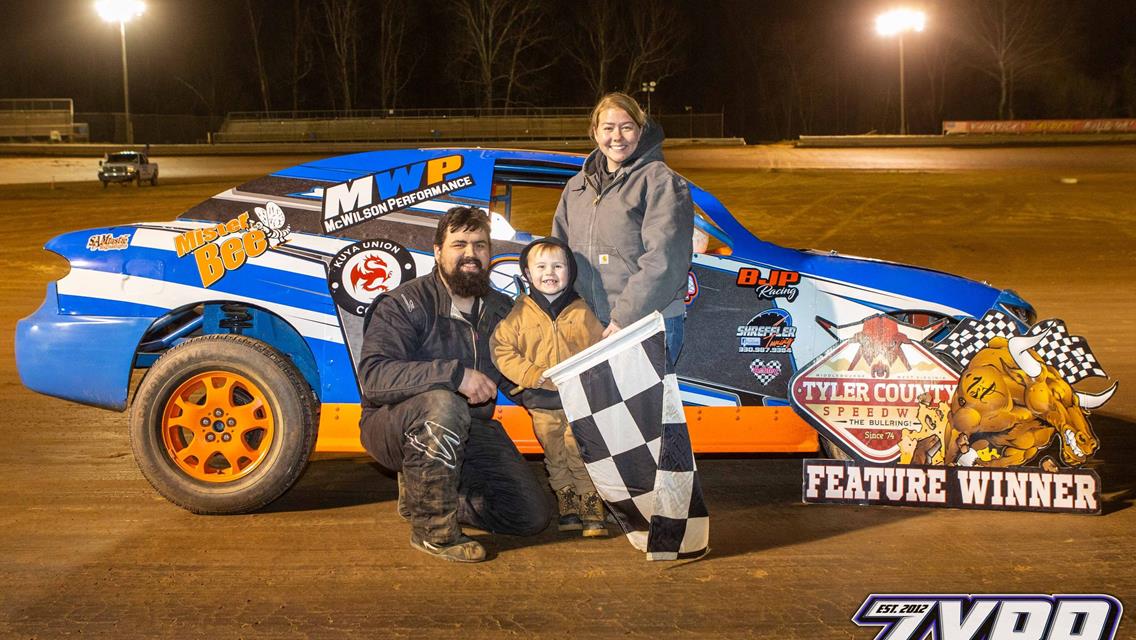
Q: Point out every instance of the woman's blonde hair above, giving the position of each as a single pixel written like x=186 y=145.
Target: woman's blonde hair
x=618 y=100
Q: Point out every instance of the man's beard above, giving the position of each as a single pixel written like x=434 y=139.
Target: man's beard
x=464 y=284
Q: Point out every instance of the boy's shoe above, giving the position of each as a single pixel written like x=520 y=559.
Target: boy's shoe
x=568 y=503
x=462 y=549
x=592 y=514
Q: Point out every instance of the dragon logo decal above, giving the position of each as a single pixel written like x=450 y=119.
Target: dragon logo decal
x=362 y=271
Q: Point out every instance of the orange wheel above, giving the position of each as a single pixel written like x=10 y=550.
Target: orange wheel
x=223 y=424
x=217 y=426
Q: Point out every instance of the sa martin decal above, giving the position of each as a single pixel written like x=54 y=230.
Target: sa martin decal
x=108 y=242
x=378 y=194
x=771 y=283
x=215 y=259
x=362 y=271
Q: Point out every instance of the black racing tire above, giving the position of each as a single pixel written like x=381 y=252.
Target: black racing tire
x=217 y=385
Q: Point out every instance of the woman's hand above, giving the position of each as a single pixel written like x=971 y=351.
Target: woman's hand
x=612 y=327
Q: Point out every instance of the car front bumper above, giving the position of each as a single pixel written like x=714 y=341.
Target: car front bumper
x=85 y=359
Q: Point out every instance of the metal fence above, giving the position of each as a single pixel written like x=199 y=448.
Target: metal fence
x=150 y=128
x=438 y=125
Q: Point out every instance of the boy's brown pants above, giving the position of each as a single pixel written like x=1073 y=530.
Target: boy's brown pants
x=561 y=454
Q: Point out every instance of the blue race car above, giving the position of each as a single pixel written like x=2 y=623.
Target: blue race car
x=246 y=315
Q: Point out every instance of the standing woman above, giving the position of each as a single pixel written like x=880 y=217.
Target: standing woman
x=629 y=220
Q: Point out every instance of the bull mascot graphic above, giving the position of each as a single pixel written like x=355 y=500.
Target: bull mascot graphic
x=880 y=340
x=1010 y=400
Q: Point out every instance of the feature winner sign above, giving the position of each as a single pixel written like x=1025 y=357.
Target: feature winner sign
x=923 y=432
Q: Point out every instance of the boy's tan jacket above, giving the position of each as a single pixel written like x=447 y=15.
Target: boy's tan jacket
x=527 y=341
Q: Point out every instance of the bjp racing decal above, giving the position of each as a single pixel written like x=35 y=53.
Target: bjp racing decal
x=362 y=271
x=214 y=259
x=770 y=284
x=378 y=194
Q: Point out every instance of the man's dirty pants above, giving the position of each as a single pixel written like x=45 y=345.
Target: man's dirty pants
x=456 y=469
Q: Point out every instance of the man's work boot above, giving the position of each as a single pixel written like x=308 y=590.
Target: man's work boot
x=568 y=502
x=461 y=549
x=592 y=514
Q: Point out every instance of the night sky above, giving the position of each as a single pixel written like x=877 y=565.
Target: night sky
x=775 y=68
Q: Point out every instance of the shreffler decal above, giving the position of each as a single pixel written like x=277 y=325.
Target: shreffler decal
x=216 y=259
x=992 y=617
x=378 y=194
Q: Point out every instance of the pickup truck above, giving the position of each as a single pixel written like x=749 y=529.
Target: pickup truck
x=127 y=166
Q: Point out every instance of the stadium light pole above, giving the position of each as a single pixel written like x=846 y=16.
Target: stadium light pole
x=122 y=11
x=648 y=88
x=896 y=23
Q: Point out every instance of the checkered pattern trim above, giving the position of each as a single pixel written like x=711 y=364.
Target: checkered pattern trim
x=972 y=335
x=1069 y=354
x=627 y=418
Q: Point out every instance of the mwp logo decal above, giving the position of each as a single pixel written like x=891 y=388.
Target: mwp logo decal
x=362 y=271
x=214 y=260
x=378 y=194
x=991 y=617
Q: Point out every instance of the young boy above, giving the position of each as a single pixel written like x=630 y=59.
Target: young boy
x=548 y=325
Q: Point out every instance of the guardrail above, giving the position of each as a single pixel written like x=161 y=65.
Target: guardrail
x=442 y=126
x=985 y=127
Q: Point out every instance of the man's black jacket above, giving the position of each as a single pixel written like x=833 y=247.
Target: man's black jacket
x=415 y=340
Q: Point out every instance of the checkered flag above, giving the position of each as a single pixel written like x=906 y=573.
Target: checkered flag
x=1069 y=354
x=972 y=335
x=627 y=418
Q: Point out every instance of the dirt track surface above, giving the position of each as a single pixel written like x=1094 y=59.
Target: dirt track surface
x=89 y=549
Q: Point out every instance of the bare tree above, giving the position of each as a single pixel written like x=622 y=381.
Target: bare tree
x=596 y=47
x=498 y=41
x=261 y=74
x=1016 y=37
x=656 y=36
x=390 y=17
x=343 y=36
x=636 y=41
x=938 y=57
x=301 y=49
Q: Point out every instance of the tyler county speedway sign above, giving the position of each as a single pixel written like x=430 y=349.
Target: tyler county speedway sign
x=863 y=395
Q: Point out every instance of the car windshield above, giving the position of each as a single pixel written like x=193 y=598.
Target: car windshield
x=122 y=157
